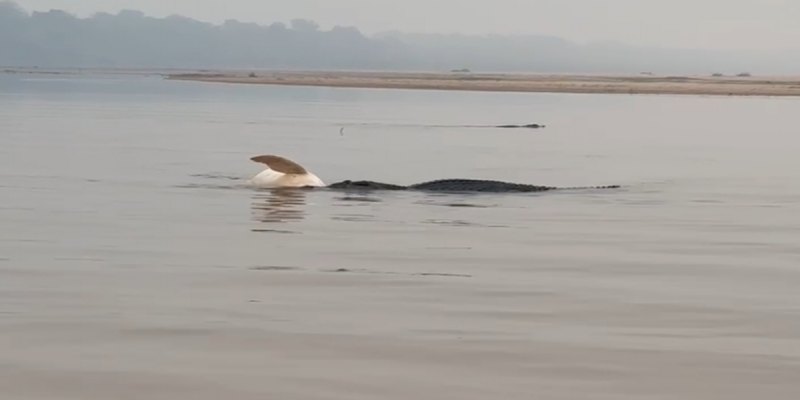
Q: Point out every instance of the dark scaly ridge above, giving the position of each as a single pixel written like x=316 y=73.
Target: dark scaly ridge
x=477 y=185
x=457 y=185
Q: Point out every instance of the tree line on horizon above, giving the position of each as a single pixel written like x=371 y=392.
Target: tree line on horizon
x=131 y=39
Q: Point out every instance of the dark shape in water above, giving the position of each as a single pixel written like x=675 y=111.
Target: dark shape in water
x=456 y=185
x=367 y=185
x=529 y=126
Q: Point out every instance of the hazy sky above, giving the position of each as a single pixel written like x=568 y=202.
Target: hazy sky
x=728 y=24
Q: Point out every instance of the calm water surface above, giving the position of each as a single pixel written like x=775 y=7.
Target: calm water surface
x=131 y=251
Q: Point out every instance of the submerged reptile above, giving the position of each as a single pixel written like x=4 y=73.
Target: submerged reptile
x=283 y=173
x=457 y=185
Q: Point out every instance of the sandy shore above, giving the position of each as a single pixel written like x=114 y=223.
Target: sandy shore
x=644 y=84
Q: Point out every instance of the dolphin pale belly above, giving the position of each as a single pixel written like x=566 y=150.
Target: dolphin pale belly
x=281 y=172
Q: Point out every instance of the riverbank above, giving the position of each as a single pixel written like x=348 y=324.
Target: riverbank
x=644 y=84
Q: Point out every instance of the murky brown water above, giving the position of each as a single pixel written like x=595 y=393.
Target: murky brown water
x=134 y=264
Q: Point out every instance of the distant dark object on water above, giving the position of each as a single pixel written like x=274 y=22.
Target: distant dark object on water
x=461 y=71
x=529 y=126
x=253 y=75
x=744 y=75
x=717 y=75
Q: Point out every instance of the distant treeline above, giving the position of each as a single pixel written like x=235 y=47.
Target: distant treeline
x=132 y=39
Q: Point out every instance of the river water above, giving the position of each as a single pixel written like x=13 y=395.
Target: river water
x=136 y=264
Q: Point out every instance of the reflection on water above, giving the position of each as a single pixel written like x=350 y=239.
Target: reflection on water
x=461 y=223
x=279 y=205
x=356 y=201
x=347 y=198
